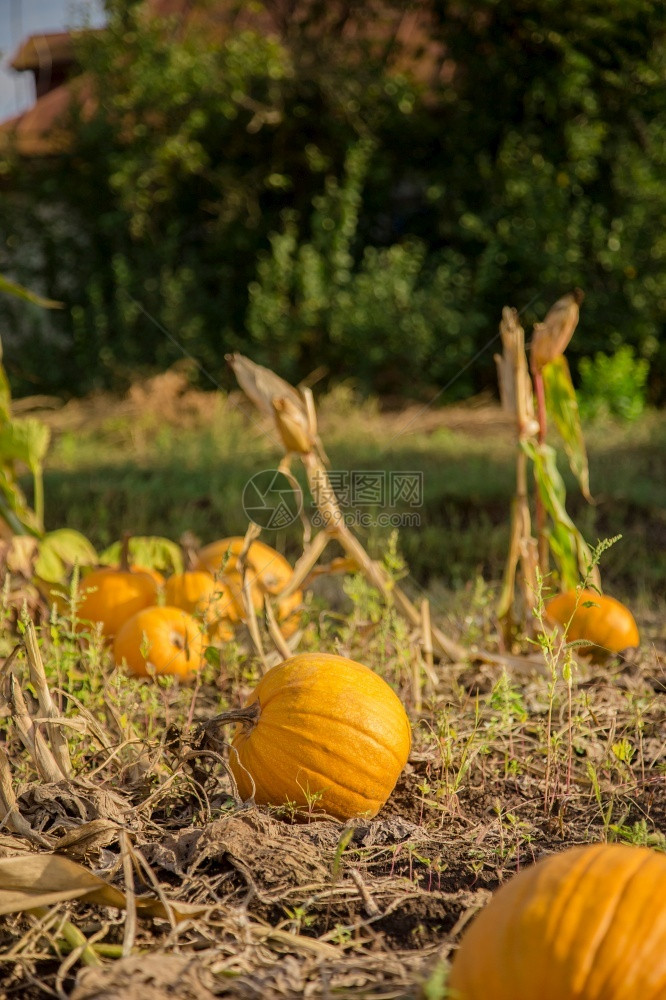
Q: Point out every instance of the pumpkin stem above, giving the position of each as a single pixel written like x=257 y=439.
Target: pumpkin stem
x=189 y=543
x=247 y=716
x=125 y=552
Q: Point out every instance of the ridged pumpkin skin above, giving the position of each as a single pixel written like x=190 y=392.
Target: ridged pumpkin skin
x=287 y=612
x=272 y=569
x=327 y=725
x=111 y=596
x=587 y=924
x=155 y=573
x=163 y=640
x=136 y=568
x=202 y=595
x=610 y=626
x=268 y=572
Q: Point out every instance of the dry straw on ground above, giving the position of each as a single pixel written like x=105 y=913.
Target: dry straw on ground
x=136 y=875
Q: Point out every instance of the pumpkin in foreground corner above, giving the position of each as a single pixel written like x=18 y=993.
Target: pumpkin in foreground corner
x=586 y=924
x=329 y=736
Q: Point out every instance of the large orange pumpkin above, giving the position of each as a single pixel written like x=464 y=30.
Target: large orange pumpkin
x=202 y=595
x=160 y=640
x=267 y=571
x=586 y=924
x=328 y=734
x=608 y=626
x=111 y=596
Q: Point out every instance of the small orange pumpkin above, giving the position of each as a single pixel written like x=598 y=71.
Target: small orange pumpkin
x=586 y=924
x=267 y=571
x=327 y=734
x=200 y=593
x=111 y=596
x=163 y=640
x=608 y=626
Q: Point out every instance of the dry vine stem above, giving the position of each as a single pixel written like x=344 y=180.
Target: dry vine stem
x=294 y=417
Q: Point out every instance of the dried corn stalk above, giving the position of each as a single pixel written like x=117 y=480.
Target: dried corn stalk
x=517 y=391
x=294 y=417
x=516 y=395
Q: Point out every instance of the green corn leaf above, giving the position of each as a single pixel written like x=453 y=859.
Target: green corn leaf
x=571 y=552
x=563 y=411
x=26 y=441
x=13 y=288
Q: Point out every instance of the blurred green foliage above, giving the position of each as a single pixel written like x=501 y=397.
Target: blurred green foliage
x=380 y=317
x=613 y=385
x=295 y=196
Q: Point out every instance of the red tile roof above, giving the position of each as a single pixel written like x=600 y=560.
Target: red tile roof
x=57 y=48
x=43 y=129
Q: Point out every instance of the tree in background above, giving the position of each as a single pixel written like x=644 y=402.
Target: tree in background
x=360 y=185
x=559 y=139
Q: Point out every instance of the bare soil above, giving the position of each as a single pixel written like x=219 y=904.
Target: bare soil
x=313 y=907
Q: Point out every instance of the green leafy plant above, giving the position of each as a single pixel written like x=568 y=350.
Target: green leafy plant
x=381 y=313
x=146 y=550
x=24 y=443
x=613 y=385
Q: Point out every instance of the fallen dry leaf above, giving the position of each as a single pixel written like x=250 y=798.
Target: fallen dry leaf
x=31 y=880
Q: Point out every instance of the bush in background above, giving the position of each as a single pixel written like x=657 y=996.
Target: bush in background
x=613 y=385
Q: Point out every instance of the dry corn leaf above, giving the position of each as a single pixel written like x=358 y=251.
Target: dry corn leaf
x=292 y=410
x=515 y=384
x=261 y=385
x=31 y=880
x=20 y=555
x=147 y=977
x=10 y=846
x=87 y=838
x=551 y=338
x=292 y=423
